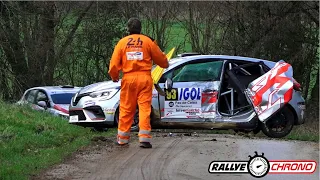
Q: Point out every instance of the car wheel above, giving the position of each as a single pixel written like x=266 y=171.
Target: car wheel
x=280 y=125
x=135 y=123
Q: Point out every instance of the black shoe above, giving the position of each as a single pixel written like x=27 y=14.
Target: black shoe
x=121 y=145
x=145 y=145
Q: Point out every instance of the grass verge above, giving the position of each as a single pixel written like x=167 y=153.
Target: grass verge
x=304 y=132
x=31 y=141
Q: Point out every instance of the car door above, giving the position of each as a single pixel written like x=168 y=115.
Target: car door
x=270 y=92
x=194 y=91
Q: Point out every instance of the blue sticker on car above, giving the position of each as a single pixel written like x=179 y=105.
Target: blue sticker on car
x=183 y=94
x=190 y=94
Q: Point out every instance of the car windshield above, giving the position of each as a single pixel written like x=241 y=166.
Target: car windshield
x=63 y=98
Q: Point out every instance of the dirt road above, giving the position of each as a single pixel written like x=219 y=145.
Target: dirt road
x=178 y=157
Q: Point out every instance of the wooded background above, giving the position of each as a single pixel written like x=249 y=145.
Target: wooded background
x=57 y=43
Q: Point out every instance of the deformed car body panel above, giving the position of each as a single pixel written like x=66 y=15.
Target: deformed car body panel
x=271 y=91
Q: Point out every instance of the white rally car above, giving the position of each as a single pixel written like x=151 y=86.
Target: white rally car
x=53 y=99
x=206 y=92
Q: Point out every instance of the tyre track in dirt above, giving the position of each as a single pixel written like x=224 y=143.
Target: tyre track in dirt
x=149 y=163
x=147 y=167
x=178 y=157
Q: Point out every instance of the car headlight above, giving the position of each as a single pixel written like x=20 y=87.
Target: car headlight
x=106 y=94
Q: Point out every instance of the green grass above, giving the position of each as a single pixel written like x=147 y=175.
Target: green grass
x=305 y=132
x=178 y=38
x=302 y=132
x=176 y=35
x=31 y=141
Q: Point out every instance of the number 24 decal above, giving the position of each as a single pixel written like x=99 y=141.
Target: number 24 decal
x=171 y=95
x=133 y=42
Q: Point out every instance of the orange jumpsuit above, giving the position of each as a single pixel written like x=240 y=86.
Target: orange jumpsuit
x=133 y=55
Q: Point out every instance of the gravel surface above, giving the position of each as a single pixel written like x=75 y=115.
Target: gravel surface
x=177 y=156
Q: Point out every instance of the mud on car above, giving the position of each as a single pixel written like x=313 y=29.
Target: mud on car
x=206 y=92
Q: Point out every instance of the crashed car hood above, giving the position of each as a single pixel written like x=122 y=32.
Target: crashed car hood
x=100 y=86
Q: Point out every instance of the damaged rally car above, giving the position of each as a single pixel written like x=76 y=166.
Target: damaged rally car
x=53 y=99
x=206 y=92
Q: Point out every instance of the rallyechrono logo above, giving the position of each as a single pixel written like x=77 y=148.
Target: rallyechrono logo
x=258 y=165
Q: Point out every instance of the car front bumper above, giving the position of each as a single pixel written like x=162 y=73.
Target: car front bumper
x=91 y=112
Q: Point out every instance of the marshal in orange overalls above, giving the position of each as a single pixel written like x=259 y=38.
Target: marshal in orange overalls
x=134 y=55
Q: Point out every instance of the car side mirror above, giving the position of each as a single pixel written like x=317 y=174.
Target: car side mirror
x=168 y=84
x=42 y=104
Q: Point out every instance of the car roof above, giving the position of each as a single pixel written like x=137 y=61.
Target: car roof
x=57 y=89
x=179 y=60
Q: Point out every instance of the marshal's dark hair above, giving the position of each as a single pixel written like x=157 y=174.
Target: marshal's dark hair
x=134 y=26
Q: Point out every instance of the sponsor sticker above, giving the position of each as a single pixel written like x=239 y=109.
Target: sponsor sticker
x=183 y=104
x=134 y=55
x=303 y=107
x=183 y=111
x=183 y=94
x=109 y=110
x=191 y=102
x=208 y=114
x=168 y=112
x=190 y=94
x=259 y=166
x=89 y=103
x=184 y=101
x=189 y=111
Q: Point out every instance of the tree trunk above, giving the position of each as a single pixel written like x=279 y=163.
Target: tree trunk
x=47 y=40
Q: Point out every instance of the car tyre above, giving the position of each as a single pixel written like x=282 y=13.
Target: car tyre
x=283 y=122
